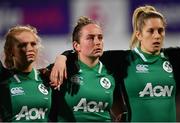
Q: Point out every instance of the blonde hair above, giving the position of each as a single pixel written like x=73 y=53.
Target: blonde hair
x=138 y=21
x=10 y=40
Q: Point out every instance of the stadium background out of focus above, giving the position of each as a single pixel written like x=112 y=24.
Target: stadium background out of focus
x=55 y=20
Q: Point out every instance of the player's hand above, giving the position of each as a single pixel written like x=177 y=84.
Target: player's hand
x=58 y=73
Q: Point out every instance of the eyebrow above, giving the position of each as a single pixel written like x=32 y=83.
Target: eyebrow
x=95 y=34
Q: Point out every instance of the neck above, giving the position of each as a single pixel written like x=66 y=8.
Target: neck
x=156 y=52
x=91 y=62
x=24 y=68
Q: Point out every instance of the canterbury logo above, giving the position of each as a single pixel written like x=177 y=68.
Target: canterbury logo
x=141 y=68
x=17 y=91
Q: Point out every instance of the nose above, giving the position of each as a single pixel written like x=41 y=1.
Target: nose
x=29 y=47
x=157 y=35
x=97 y=41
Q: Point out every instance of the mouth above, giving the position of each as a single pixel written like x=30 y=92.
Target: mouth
x=156 y=44
x=97 y=50
x=30 y=55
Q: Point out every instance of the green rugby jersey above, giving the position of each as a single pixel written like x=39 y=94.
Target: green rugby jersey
x=93 y=96
x=151 y=88
x=30 y=99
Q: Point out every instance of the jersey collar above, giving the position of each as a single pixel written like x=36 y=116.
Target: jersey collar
x=144 y=58
x=98 y=67
x=32 y=75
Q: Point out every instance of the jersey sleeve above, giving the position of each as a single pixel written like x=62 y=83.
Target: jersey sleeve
x=115 y=61
x=45 y=76
x=72 y=62
x=4 y=73
x=119 y=108
x=5 y=103
x=173 y=55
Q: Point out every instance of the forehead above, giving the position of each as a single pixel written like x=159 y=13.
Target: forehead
x=91 y=29
x=26 y=36
x=153 y=23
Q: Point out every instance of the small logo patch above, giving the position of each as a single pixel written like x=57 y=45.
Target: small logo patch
x=17 y=91
x=105 y=82
x=43 y=89
x=77 y=79
x=141 y=68
x=167 y=67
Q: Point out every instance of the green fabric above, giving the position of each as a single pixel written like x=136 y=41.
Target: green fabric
x=30 y=99
x=151 y=88
x=92 y=99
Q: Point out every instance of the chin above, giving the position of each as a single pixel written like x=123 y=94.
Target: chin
x=30 y=60
x=155 y=51
x=98 y=54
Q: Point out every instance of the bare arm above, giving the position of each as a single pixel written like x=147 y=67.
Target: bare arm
x=66 y=65
x=58 y=72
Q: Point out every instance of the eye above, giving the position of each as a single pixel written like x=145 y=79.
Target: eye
x=100 y=37
x=151 y=31
x=22 y=45
x=160 y=30
x=90 y=38
x=33 y=44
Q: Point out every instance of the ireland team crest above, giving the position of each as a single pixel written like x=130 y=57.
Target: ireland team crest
x=105 y=82
x=167 y=67
x=77 y=79
x=43 y=89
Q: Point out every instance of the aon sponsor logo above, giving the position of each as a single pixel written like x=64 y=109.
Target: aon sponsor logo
x=91 y=106
x=156 y=91
x=31 y=114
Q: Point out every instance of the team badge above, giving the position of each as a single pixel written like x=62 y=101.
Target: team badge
x=77 y=79
x=43 y=89
x=167 y=67
x=105 y=82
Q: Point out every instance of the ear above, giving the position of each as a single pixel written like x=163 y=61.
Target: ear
x=76 y=46
x=138 y=35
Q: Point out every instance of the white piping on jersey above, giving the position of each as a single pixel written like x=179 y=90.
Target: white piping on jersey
x=143 y=57
x=162 y=55
x=35 y=76
x=17 y=78
x=100 y=68
x=80 y=70
x=140 y=54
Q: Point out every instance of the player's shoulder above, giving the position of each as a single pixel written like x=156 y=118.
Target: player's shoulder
x=171 y=51
x=5 y=74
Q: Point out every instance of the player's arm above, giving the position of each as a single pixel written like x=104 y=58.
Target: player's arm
x=65 y=65
x=119 y=109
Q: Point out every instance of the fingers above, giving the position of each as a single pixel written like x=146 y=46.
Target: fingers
x=54 y=76
x=65 y=73
x=53 y=84
x=58 y=72
x=60 y=76
x=57 y=88
x=57 y=77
